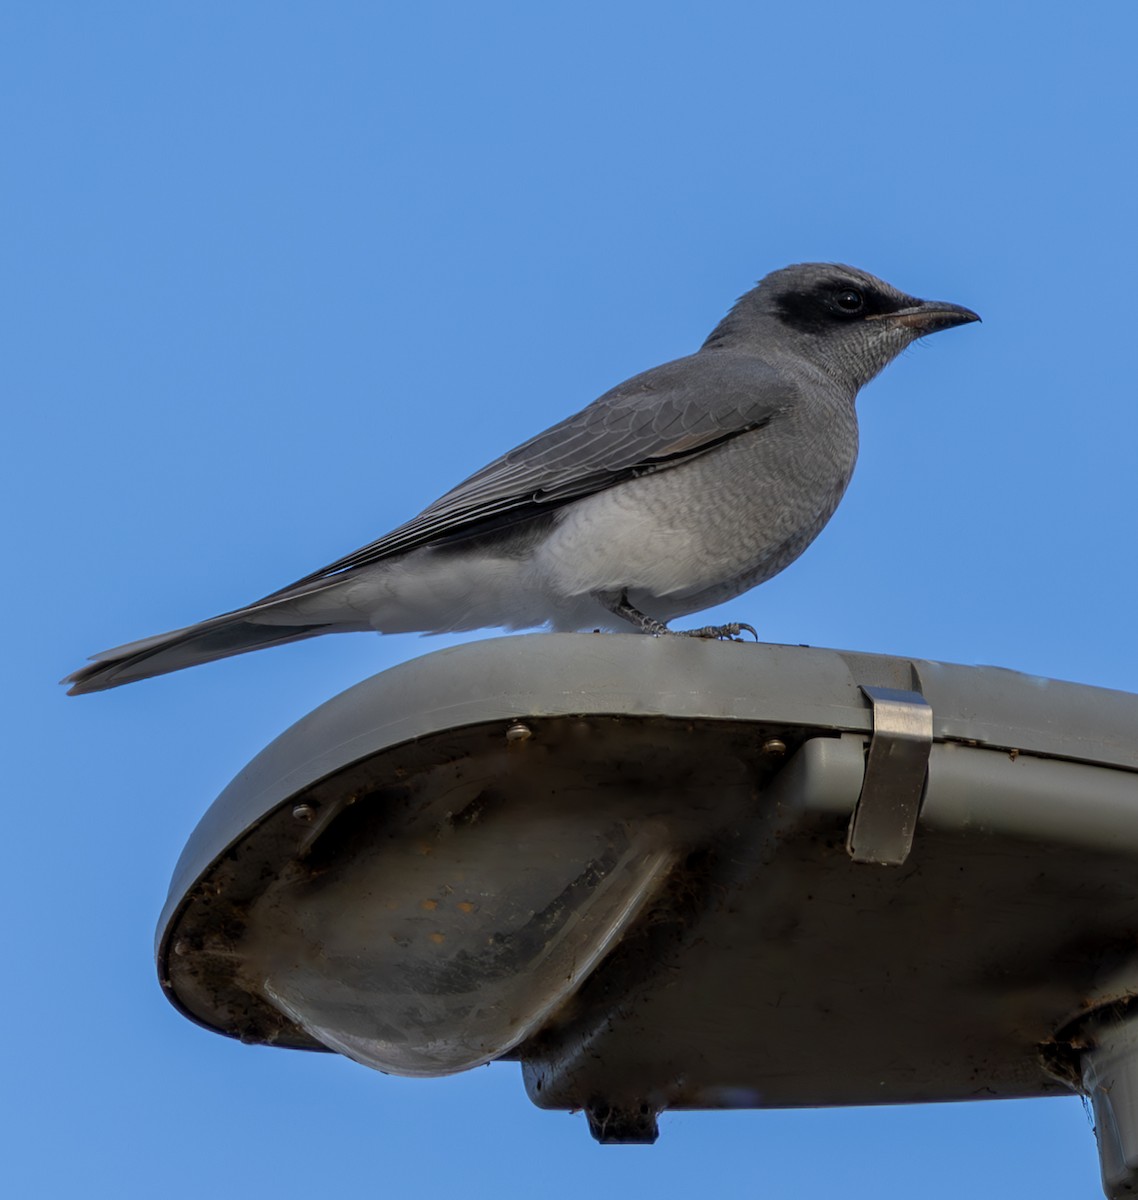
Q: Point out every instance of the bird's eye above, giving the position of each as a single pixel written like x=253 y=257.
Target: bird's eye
x=850 y=301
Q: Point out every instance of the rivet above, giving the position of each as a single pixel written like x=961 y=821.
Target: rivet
x=304 y=812
x=181 y=948
x=774 y=747
x=518 y=732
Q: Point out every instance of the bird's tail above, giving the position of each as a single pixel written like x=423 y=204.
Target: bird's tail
x=420 y=592
x=219 y=637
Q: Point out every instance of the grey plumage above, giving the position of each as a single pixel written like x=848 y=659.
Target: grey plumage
x=680 y=488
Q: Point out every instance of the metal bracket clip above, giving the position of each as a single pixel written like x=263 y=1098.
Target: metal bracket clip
x=885 y=817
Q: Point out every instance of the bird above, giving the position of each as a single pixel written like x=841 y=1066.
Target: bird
x=683 y=487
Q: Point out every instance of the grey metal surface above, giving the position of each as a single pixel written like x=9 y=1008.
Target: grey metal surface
x=1110 y=1079
x=769 y=968
x=550 y=674
x=819 y=980
x=883 y=824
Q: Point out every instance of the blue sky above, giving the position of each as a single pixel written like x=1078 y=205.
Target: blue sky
x=277 y=275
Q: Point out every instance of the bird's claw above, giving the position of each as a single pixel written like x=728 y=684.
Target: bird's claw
x=726 y=633
x=617 y=602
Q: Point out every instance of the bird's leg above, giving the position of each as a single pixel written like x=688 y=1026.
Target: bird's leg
x=618 y=603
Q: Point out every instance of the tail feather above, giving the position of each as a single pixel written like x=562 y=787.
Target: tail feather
x=422 y=591
x=220 y=637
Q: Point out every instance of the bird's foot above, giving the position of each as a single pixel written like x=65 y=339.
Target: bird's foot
x=730 y=632
x=619 y=604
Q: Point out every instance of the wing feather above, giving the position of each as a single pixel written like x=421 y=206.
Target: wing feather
x=652 y=422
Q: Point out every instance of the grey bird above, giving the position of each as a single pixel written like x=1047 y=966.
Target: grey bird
x=680 y=488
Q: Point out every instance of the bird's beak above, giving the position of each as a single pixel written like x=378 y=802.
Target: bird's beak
x=928 y=316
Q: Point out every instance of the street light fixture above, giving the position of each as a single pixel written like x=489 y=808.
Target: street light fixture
x=664 y=873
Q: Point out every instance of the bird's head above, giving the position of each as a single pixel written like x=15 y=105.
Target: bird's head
x=846 y=321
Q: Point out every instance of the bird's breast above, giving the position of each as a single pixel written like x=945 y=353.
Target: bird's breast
x=723 y=521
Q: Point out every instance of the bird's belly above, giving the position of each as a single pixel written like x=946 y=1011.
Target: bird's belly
x=702 y=532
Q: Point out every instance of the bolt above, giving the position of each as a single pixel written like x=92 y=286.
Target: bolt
x=775 y=747
x=304 y=812
x=518 y=732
